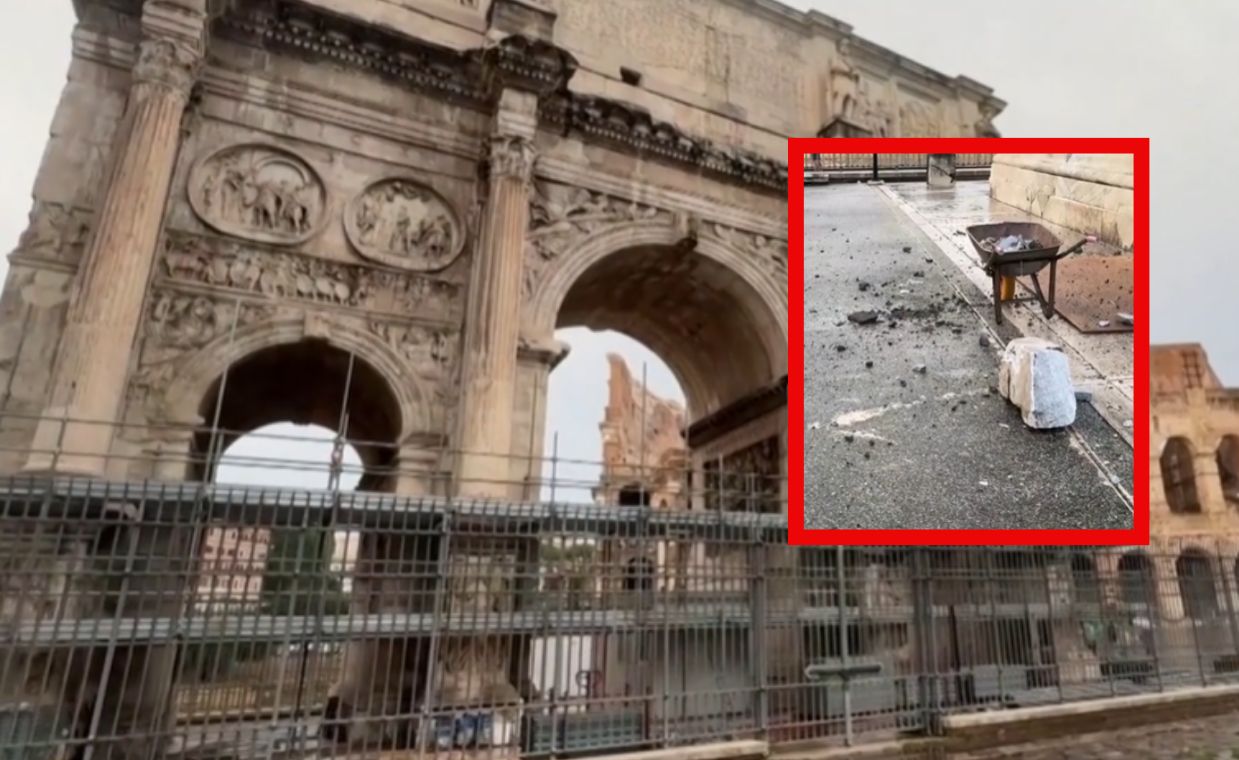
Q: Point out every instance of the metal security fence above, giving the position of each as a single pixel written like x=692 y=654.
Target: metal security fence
x=888 y=166
x=155 y=619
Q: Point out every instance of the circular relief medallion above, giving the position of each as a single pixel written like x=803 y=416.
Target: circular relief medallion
x=402 y=223
x=258 y=192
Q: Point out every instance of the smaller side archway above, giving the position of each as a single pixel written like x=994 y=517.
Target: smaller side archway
x=1179 y=476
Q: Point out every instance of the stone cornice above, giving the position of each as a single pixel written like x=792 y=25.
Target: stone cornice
x=631 y=128
x=295 y=29
x=741 y=412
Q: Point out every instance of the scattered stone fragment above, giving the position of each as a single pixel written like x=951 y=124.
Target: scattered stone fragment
x=903 y=383
x=920 y=369
x=863 y=317
x=929 y=259
x=892 y=325
x=907 y=249
x=841 y=348
x=984 y=341
x=869 y=365
x=1034 y=374
x=1103 y=323
x=984 y=484
x=849 y=438
x=867 y=455
x=863 y=286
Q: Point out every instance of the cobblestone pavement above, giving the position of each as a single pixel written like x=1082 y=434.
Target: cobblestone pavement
x=1213 y=738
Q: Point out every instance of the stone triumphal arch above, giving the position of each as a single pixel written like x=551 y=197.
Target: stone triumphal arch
x=371 y=216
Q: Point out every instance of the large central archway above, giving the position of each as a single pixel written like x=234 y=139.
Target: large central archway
x=703 y=319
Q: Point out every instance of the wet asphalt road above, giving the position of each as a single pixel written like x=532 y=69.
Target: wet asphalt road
x=902 y=427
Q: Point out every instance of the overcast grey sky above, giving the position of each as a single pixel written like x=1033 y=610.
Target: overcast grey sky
x=1066 y=67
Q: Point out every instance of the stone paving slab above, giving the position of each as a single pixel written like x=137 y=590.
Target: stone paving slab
x=904 y=430
x=1212 y=738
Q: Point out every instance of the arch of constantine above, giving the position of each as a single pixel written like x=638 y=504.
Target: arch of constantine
x=372 y=216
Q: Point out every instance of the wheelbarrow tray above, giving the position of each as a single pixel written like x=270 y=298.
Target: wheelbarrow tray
x=1015 y=263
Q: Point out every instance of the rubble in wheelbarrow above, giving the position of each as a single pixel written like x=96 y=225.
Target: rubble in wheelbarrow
x=1034 y=374
x=1009 y=244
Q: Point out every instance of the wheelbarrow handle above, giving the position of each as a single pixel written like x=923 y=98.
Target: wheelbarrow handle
x=1076 y=247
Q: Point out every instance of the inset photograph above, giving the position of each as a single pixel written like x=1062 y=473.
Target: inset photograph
x=968 y=346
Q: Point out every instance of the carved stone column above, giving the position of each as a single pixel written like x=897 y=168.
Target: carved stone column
x=492 y=325
x=92 y=363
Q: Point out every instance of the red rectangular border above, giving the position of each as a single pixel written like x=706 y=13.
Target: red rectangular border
x=797 y=148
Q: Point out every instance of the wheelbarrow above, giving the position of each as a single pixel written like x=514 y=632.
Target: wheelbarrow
x=1000 y=265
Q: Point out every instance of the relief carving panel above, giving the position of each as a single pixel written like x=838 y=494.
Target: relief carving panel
x=259 y=192
x=918 y=119
x=404 y=224
x=278 y=274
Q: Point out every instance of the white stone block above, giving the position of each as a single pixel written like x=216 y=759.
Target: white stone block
x=1035 y=376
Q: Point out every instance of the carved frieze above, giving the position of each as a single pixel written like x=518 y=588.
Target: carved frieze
x=259 y=192
x=561 y=216
x=282 y=275
x=404 y=224
x=55 y=232
x=770 y=252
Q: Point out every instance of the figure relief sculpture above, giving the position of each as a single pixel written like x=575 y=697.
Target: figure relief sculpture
x=844 y=85
x=916 y=119
x=561 y=216
x=260 y=193
x=403 y=224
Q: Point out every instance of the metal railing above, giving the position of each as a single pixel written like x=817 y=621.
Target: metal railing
x=888 y=166
x=147 y=617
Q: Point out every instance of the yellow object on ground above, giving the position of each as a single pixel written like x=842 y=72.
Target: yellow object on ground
x=1006 y=289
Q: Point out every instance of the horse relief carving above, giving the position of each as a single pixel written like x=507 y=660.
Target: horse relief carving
x=403 y=224
x=260 y=193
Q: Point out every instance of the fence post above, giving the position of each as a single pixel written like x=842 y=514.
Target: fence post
x=922 y=625
x=875 y=167
x=758 y=629
x=1230 y=603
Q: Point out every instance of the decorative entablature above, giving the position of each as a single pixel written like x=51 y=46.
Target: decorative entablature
x=471 y=76
x=294 y=28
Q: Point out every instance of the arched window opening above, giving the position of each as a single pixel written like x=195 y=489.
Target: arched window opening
x=1228 y=466
x=1179 y=476
x=1084 y=579
x=1136 y=585
x=1196 y=587
x=634 y=495
x=639 y=575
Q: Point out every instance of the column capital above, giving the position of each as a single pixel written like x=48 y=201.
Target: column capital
x=512 y=156
x=167 y=63
x=173 y=45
